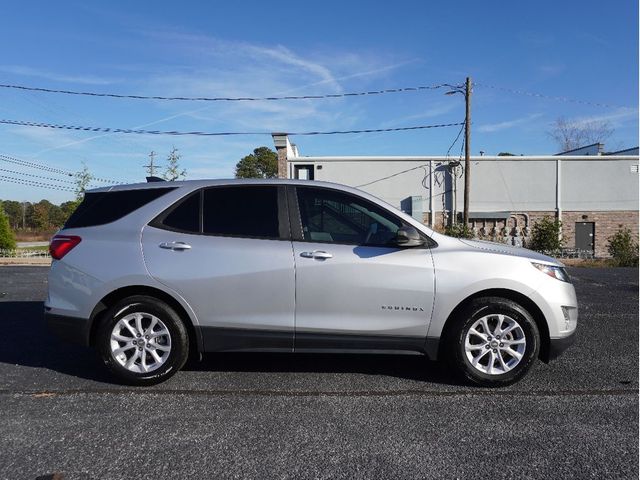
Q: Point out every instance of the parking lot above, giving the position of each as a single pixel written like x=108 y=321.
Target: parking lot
x=320 y=416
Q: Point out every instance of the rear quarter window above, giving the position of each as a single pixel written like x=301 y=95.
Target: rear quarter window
x=100 y=208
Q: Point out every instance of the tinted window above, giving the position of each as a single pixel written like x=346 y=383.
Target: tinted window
x=105 y=207
x=185 y=216
x=330 y=216
x=245 y=211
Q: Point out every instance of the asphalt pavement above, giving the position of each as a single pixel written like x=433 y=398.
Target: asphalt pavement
x=320 y=416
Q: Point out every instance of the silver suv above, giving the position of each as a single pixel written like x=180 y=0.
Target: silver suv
x=152 y=273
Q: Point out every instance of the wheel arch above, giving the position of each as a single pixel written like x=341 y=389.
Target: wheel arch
x=517 y=297
x=195 y=340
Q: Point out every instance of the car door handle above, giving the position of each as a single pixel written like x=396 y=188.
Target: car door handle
x=175 y=246
x=317 y=254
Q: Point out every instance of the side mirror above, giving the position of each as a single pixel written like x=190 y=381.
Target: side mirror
x=409 y=237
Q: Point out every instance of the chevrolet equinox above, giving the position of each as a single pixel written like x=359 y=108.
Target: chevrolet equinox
x=149 y=274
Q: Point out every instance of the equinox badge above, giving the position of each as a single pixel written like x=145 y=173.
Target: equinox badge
x=410 y=309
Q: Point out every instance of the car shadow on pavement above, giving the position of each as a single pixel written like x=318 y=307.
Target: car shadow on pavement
x=407 y=367
x=26 y=341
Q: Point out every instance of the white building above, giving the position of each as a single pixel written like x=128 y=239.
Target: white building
x=593 y=194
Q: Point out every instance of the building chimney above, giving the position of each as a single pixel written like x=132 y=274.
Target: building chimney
x=284 y=150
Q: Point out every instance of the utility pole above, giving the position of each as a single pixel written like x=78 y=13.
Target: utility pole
x=467 y=151
x=151 y=168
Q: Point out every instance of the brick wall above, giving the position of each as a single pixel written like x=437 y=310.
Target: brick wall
x=282 y=162
x=606 y=225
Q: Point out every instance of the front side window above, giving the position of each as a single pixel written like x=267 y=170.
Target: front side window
x=336 y=217
x=241 y=211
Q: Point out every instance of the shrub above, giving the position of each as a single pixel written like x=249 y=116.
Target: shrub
x=545 y=236
x=7 y=238
x=459 y=230
x=623 y=248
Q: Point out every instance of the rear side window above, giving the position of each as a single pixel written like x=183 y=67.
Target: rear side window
x=246 y=211
x=105 y=207
x=184 y=216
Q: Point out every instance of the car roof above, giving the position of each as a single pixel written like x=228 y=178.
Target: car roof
x=194 y=184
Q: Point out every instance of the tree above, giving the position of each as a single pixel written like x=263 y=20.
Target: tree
x=545 y=235
x=570 y=135
x=7 y=238
x=67 y=208
x=13 y=210
x=57 y=216
x=173 y=171
x=506 y=154
x=83 y=178
x=623 y=248
x=39 y=216
x=262 y=163
x=459 y=230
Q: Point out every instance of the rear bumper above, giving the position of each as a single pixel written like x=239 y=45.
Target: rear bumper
x=558 y=345
x=70 y=329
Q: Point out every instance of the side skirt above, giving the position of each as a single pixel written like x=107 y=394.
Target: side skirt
x=237 y=340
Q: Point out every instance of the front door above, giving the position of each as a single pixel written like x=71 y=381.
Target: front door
x=354 y=288
x=233 y=264
x=585 y=232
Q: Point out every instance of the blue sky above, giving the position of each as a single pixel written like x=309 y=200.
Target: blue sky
x=584 y=50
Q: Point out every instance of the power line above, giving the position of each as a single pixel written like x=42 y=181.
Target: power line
x=46 y=168
x=215 y=134
x=231 y=99
x=24 y=163
x=37 y=176
x=33 y=183
x=455 y=140
x=548 y=97
x=391 y=176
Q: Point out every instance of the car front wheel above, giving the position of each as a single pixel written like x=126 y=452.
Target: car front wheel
x=142 y=341
x=493 y=342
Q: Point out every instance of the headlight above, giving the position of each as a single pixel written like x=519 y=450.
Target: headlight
x=558 y=273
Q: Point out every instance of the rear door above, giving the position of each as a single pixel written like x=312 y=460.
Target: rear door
x=226 y=251
x=354 y=287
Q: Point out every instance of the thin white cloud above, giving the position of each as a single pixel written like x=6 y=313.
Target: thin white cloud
x=44 y=137
x=497 y=127
x=436 y=111
x=551 y=70
x=94 y=137
x=56 y=77
x=615 y=118
x=287 y=57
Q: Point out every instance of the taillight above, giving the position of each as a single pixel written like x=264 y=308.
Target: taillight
x=62 y=244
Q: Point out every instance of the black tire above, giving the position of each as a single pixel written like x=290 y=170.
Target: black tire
x=456 y=335
x=179 y=338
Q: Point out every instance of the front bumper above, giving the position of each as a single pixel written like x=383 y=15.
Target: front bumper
x=558 y=345
x=70 y=329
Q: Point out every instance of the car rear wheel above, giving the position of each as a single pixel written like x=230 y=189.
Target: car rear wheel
x=493 y=342
x=142 y=341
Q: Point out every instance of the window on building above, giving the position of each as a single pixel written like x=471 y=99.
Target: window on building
x=330 y=216
x=303 y=172
x=241 y=211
